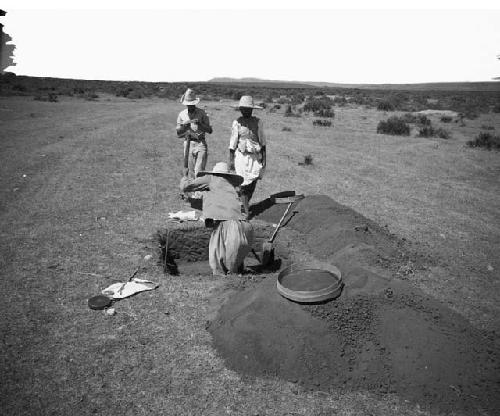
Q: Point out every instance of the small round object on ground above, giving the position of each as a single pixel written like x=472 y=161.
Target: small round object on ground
x=110 y=311
x=308 y=285
x=99 y=302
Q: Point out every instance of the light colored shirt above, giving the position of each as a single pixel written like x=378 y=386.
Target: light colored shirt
x=220 y=202
x=199 y=115
x=244 y=138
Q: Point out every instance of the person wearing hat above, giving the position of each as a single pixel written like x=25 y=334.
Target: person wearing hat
x=232 y=234
x=247 y=149
x=192 y=124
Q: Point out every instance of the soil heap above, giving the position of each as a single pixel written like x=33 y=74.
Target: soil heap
x=381 y=335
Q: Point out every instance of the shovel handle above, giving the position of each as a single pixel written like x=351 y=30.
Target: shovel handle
x=281 y=222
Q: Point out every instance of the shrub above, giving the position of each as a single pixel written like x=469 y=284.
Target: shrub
x=325 y=112
x=395 y=126
x=484 y=127
x=51 y=97
x=308 y=160
x=446 y=119
x=429 y=131
x=486 y=140
x=496 y=108
x=426 y=131
x=317 y=104
x=442 y=133
x=385 y=106
x=409 y=118
x=322 y=123
x=423 y=120
x=286 y=128
x=288 y=111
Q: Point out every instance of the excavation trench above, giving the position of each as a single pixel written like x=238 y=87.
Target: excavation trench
x=381 y=335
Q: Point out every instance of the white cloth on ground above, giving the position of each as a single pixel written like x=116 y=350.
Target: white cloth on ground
x=124 y=290
x=230 y=243
x=183 y=215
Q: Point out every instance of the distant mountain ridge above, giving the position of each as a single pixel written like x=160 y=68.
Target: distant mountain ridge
x=435 y=86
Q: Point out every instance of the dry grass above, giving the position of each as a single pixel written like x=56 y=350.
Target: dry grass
x=100 y=179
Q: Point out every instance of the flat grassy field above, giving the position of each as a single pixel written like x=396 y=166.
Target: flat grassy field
x=83 y=187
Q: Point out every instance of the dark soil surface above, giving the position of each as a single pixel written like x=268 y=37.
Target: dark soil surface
x=381 y=335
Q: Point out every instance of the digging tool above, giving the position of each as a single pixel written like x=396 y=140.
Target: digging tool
x=267 y=246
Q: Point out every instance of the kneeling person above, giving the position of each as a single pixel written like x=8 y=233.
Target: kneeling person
x=232 y=234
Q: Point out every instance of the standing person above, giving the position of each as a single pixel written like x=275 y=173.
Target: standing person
x=192 y=124
x=232 y=234
x=247 y=149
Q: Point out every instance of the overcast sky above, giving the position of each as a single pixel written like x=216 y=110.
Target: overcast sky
x=347 y=43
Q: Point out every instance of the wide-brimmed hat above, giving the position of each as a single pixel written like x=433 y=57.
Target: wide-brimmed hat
x=189 y=98
x=221 y=169
x=246 y=101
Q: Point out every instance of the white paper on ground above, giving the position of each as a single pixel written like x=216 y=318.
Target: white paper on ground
x=183 y=215
x=124 y=290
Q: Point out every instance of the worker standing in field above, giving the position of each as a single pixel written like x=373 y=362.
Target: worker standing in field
x=192 y=124
x=247 y=149
x=232 y=234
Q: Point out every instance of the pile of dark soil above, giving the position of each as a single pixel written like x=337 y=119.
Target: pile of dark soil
x=381 y=335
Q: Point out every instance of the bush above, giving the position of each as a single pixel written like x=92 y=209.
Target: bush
x=385 y=106
x=484 y=127
x=51 y=97
x=496 y=108
x=395 y=126
x=409 y=118
x=322 y=123
x=442 y=133
x=429 y=131
x=308 y=160
x=446 y=119
x=289 y=112
x=325 y=112
x=486 y=140
x=286 y=128
x=423 y=120
x=317 y=104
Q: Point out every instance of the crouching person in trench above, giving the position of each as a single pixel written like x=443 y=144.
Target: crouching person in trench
x=232 y=234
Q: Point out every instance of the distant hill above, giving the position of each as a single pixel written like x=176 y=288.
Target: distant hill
x=429 y=86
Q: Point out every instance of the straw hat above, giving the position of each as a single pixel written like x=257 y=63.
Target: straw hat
x=189 y=98
x=221 y=169
x=246 y=101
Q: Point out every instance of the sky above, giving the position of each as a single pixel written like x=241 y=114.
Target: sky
x=331 y=41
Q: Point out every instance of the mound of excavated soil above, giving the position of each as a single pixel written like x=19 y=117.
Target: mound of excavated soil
x=381 y=335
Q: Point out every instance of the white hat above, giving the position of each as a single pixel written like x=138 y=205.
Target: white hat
x=189 y=98
x=221 y=169
x=246 y=101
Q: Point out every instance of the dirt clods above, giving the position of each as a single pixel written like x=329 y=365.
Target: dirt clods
x=381 y=335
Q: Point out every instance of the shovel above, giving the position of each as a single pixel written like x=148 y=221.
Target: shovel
x=267 y=246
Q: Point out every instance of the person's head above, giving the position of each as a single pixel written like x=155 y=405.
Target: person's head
x=247 y=106
x=246 y=111
x=189 y=99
